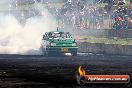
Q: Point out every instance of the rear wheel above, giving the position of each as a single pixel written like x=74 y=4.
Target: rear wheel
x=49 y=53
x=42 y=50
x=74 y=53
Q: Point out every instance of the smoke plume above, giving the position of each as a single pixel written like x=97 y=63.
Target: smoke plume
x=24 y=39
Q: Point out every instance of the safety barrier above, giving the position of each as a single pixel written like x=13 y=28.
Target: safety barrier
x=96 y=48
x=103 y=33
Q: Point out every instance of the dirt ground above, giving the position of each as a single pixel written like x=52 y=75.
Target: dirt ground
x=19 y=71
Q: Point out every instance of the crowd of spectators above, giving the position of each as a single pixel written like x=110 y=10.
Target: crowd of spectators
x=125 y=14
x=83 y=14
x=80 y=14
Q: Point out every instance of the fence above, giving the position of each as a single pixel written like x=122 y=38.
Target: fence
x=105 y=21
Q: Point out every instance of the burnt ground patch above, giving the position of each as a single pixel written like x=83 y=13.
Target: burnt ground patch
x=39 y=71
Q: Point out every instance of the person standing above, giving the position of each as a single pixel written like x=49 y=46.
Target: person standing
x=110 y=5
x=131 y=4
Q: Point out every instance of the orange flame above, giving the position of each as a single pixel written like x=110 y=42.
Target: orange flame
x=81 y=71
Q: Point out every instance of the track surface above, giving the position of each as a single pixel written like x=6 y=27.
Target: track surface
x=59 y=71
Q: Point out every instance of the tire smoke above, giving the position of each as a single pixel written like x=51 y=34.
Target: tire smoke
x=16 y=38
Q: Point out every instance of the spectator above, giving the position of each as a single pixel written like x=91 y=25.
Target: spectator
x=123 y=1
x=131 y=4
x=110 y=4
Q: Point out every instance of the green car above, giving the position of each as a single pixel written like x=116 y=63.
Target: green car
x=58 y=42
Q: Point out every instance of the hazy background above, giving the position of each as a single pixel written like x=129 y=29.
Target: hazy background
x=16 y=38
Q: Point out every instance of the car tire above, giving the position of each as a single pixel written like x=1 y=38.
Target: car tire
x=74 y=53
x=49 y=53
x=42 y=50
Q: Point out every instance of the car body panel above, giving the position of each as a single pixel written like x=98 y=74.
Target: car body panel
x=58 y=42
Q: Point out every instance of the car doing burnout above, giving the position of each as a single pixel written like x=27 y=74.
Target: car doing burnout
x=58 y=42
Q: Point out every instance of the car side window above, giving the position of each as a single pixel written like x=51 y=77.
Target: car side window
x=49 y=35
x=68 y=35
x=45 y=36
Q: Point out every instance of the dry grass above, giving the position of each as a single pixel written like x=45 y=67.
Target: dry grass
x=114 y=40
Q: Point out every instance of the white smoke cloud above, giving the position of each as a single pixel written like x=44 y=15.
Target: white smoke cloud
x=18 y=39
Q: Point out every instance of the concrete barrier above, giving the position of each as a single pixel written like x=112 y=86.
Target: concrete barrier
x=99 y=48
x=103 y=33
